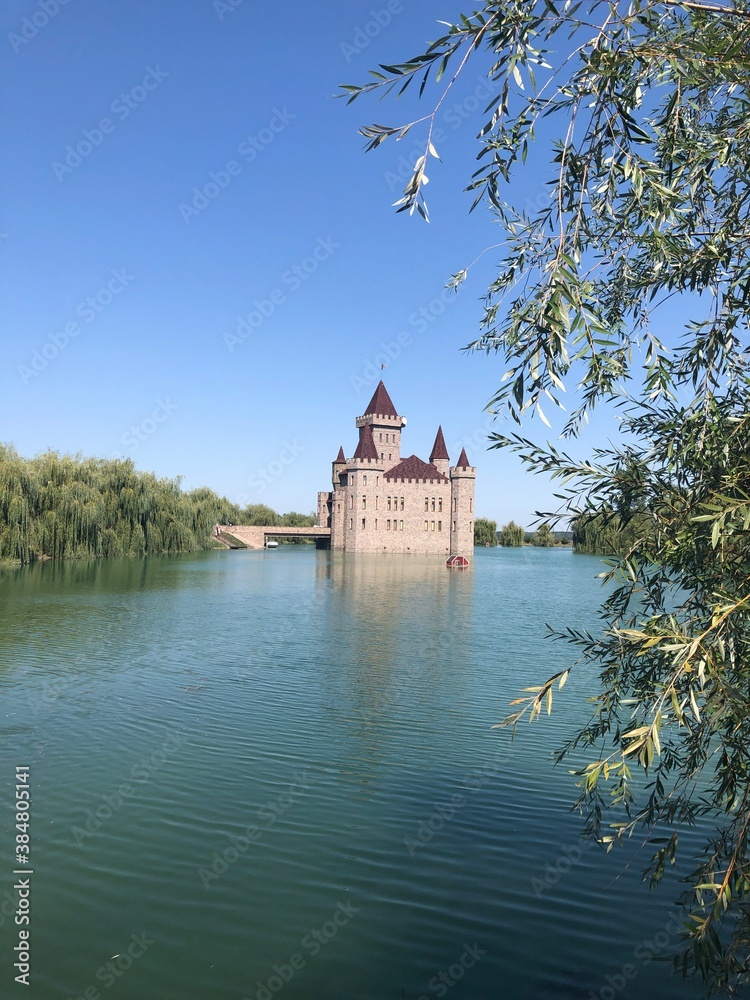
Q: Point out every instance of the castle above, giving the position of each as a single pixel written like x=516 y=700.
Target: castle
x=383 y=503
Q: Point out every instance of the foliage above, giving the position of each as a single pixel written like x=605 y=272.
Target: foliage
x=259 y=514
x=543 y=536
x=62 y=506
x=511 y=535
x=609 y=533
x=649 y=200
x=485 y=532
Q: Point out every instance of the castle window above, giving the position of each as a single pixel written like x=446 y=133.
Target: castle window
x=376 y=503
x=455 y=503
x=471 y=506
x=440 y=525
x=389 y=457
x=364 y=503
x=433 y=503
x=386 y=439
x=376 y=524
x=381 y=437
x=426 y=504
x=381 y=456
x=377 y=480
x=389 y=503
x=351 y=523
x=454 y=525
x=364 y=480
x=351 y=500
x=338 y=508
x=440 y=504
x=426 y=525
x=402 y=505
x=432 y=526
x=363 y=522
x=401 y=526
x=388 y=524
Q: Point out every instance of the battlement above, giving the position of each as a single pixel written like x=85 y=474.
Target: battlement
x=462 y=472
x=381 y=420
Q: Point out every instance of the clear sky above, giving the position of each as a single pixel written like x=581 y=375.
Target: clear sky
x=201 y=268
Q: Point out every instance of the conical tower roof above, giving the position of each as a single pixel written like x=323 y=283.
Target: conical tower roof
x=340 y=457
x=463 y=462
x=438 y=449
x=366 y=447
x=380 y=404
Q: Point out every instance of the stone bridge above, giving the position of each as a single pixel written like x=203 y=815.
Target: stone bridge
x=255 y=537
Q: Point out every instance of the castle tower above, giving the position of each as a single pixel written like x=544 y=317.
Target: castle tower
x=439 y=455
x=338 y=500
x=462 y=477
x=338 y=465
x=363 y=471
x=385 y=424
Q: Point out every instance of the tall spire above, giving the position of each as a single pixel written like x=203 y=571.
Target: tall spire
x=340 y=457
x=463 y=462
x=380 y=404
x=438 y=449
x=366 y=447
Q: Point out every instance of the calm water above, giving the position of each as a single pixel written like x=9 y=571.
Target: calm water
x=285 y=759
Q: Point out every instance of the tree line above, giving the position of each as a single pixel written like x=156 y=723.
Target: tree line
x=512 y=535
x=62 y=506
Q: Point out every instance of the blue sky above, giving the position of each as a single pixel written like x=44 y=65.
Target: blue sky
x=201 y=267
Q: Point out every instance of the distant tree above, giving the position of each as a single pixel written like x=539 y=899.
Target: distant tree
x=259 y=514
x=543 y=536
x=511 y=535
x=609 y=533
x=485 y=532
x=295 y=520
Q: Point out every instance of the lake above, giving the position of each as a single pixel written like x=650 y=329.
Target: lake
x=256 y=774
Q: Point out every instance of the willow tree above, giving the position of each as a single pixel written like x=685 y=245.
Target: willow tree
x=485 y=532
x=650 y=187
x=511 y=535
x=63 y=506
